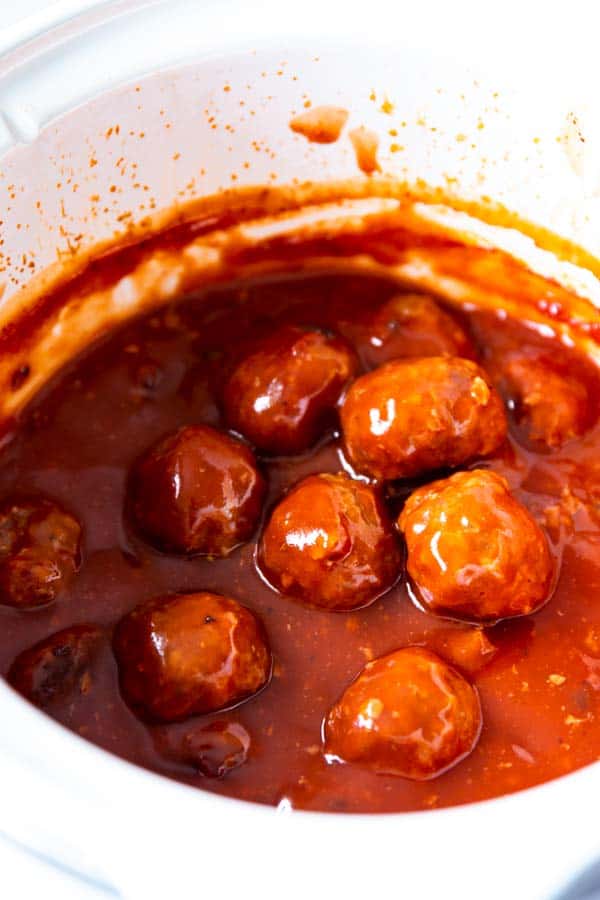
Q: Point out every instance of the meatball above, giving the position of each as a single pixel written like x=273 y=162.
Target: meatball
x=213 y=750
x=551 y=406
x=188 y=654
x=283 y=395
x=415 y=415
x=330 y=543
x=413 y=325
x=474 y=551
x=39 y=551
x=408 y=713
x=58 y=666
x=468 y=648
x=197 y=491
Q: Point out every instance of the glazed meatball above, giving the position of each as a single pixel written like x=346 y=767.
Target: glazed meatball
x=58 y=666
x=551 y=406
x=189 y=654
x=415 y=415
x=330 y=543
x=408 y=714
x=39 y=551
x=197 y=491
x=468 y=648
x=217 y=748
x=474 y=551
x=213 y=750
x=413 y=325
x=283 y=395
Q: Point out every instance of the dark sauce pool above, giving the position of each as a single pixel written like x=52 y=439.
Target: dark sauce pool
x=540 y=689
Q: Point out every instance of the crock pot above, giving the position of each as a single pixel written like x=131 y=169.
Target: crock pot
x=116 y=116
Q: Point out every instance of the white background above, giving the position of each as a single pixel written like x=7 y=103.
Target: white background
x=13 y=10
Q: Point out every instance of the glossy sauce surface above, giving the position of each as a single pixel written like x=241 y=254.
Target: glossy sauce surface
x=538 y=676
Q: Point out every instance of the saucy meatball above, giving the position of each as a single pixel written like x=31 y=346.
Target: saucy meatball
x=468 y=648
x=57 y=666
x=408 y=714
x=213 y=750
x=330 y=543
x=39 y=551
x=413 y=325
x=551 y=406
x=188 y=654
x=197 y=491
x=414 y=415
x=283 y=395
x=474 y=551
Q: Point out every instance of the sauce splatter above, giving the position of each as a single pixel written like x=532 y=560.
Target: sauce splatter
x=321 y=125
x=365 y=143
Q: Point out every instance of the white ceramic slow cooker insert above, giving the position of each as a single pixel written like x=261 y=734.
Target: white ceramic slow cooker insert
x=110 y=115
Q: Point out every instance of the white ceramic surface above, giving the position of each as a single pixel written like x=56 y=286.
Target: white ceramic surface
x=165 y=73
